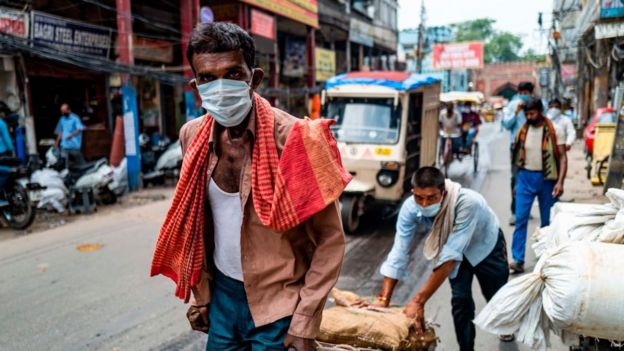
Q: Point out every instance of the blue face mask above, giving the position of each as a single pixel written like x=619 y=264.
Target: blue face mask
x=431 y=210
x=524 y=98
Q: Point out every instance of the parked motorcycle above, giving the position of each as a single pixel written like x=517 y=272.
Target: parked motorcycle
x=17 y=210
x=96 y=175
x=168 y=166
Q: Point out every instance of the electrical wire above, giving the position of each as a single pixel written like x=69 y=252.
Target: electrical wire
x=91 y=63
x=135 y=16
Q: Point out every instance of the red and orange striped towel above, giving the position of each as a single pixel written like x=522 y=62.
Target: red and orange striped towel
x=286 y=190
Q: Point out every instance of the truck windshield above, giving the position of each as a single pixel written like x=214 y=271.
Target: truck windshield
x=364 y=120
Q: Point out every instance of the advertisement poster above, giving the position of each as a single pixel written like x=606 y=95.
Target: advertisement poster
x=294 y=58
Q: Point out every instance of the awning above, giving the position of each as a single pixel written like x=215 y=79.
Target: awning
x=471 y=96
x=395 y=80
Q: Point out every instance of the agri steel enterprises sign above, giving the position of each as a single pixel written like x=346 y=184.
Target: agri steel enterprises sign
x=468 y=55
x=69 y=36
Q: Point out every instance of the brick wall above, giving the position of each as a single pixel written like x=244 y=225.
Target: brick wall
x=497 y=75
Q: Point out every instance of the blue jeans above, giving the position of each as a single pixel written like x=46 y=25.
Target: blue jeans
x=530 y=184
x=231 y=325
x=470 y=135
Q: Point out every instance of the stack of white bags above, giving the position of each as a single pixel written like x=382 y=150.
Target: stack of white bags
x=577 y=286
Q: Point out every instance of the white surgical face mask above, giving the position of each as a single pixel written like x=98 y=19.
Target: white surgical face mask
x=228 y=101
x=553 y=113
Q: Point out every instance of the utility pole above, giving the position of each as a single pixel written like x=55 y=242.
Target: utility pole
x=421 y=38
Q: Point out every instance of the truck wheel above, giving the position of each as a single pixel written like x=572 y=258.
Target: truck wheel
x=350 y=213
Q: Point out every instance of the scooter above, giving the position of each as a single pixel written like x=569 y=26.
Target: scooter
x=167 y=166
x=96 y=175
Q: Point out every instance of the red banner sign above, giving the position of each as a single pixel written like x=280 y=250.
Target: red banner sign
x=467 y=55
x=13 y=22
x=262 y=24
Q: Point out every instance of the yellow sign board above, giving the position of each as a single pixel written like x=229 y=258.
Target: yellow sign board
x=304 y=11
x=383 y=151
x=325 y=63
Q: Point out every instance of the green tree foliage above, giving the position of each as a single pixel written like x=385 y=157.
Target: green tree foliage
x=479 y=29
x=499 y=46
x=503 y=47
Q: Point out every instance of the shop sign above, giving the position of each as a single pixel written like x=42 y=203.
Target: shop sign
x=262 y=24
x=325 y=62
x=303 y=11
x=13 y=22
x=226 y=12
x=467 y=55
x=152 y=50
x=361 y=32
x=611 y=8
x=69 y=36
x=609 y=30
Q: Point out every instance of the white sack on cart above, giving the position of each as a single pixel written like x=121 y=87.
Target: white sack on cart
x=575 y=288
x=583 y=222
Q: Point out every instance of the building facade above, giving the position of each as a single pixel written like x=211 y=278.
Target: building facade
x=104 y=57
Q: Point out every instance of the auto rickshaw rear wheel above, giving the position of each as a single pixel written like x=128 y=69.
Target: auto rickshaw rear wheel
x=350 y=212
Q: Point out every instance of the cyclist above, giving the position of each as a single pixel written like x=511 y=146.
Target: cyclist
x=450 y=127
x=470 y=125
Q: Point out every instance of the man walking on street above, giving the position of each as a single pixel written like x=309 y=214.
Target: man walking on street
x=540 y=156
x=561 y=121
x=69 y=136
x=513 y=119
x=254 y=229
x=465 y=239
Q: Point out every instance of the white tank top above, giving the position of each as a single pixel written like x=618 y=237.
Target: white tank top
x=227 y=218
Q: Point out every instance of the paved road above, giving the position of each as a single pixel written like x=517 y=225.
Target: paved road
x=56 y=297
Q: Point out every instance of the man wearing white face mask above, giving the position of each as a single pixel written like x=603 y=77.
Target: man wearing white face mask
x=251 y=234
x=562 y=122
x=464 y=239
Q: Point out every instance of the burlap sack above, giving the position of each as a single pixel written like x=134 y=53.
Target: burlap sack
x=385 y=329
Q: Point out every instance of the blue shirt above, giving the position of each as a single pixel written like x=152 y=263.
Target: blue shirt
x=511 y=121
x=66 y=126
x=474 y=235
x=6 y=144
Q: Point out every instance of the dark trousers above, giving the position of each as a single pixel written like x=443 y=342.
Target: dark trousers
x=74 y=154
x=492 y=273
x=231 y=325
